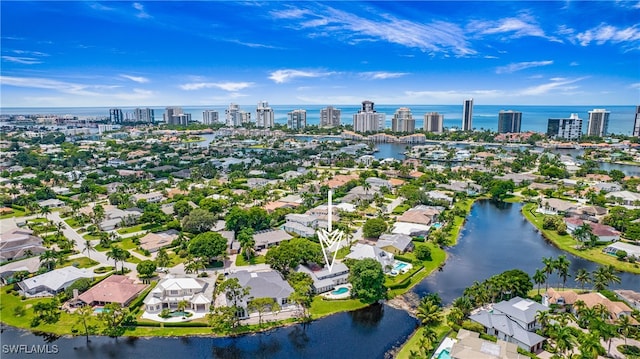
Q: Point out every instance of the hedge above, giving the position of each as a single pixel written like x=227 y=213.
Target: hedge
x=178 y=324
x=403 y=258
x=407 y=281
x=136 y=303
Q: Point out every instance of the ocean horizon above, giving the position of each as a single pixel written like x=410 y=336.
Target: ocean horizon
x=534 y=117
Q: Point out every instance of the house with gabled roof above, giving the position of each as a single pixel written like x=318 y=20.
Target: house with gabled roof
x=114 y=289
x=324 y=279
x=172 y=290
x=19 y=243
x=53 y=282
x=266 y=284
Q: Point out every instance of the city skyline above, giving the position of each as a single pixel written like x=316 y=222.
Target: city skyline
x=331 y=53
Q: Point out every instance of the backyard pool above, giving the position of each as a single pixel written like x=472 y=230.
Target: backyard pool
x=341 y=290
x=178 y=314
x=444 y=354
x=98 y=310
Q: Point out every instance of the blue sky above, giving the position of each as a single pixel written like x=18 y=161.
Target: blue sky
x=333 y=52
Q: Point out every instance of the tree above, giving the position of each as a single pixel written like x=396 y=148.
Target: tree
x=302 y=295
x=162 y=258
x=603 y=276
x=48 y=259
x=562 y=266
x=584 y=234
x=625 y=328
x=245 y=237
x=118 y=255
x=182 y=305
x=193 y=265
x=429 y=312
x=146 y=268
x=199 y=221
x=590 y=347
x=455 y=316
x=288 y=255
x=499 y=189
x=84 y=313
x=256 y=218
x=374 y=227
x=539 y=277
x=207 y=246
x=563 y=338
x=549 y=268
x=367 y=280
x=113 y=317
x=422 y=252
x=88 y=248
x=181 y=208
x=235 y=294
x=582 y=277
x=262 y=305
x=221 y=319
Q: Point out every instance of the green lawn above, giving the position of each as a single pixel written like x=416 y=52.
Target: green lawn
x=321 y=307
x=241 y=261
x=400 y=209
x=343 y=252
x=83 y=262
x=139 y=228
x=568 y=244
x=72 y=222
x=15 y=213
x=134 y=260
x=412 y=344
x=127 y=243
x=438 y=257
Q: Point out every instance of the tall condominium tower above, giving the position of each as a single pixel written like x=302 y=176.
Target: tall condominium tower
x=175 y=116
x=467 y=115
x=236 y=117
x=403 y=121
x=367 y=119
x=565 y=128
x=264 y=115
x=509 y=121
x=598 y=122
x=330 y=117
x=636 y=123
x=115 y=115
x=144 y=115
x=433 y=122
x=297 y=119
x=210 y=117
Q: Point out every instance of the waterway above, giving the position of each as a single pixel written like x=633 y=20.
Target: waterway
x=497 y=238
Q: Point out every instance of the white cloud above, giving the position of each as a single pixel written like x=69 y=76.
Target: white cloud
x=574 y=63
x=138 y=79
x=522 y=26
x=437 y=36
x=604 y=33
x=282 y=76
x=521 y=66
x=253 y=44
x=557 y=83
x=381 y=75
x=21 y=60
x=141 y=12
x=227 y=86
x=290 y=13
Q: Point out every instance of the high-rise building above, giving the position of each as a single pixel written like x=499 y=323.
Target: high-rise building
x=467 y=115
x=403 y=121
x=509 y=121
x=636 y=123
x=330 y=117
x=367 y=119
x=565 y=128
x=264 y=115
x=144 y=115
x=236 y=117
x=598 y=122
x=175 y=116
x=297 y=119
x=115 y=115
x=210 y=117
x=433 y=122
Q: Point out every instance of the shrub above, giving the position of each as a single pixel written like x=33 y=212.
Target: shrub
x=473 y=326
x=630 y=350
x=422 y=252
x=166 y=313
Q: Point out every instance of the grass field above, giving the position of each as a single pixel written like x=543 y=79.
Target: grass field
x=321 y=307
x=83 y=262
x=241 y=260
x=413 y=343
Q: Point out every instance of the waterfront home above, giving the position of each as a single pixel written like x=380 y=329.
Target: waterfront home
x=171 y=290
x=513 y=321
x=632 y=250
x=325 y=280
x=18 y=243
x=567 y=299
x=378 y=182
x=468 y=187
x=603 y=232
x=421 y=214
x=440 y=196
x=54 y=282
x=554 y=206
x=395 y=243
x=410 y=229
x=469 y=345
x=29 y=265
x=518 y=178
x=362 y=251
x=267 y=284
x=152 y=242
x=269 y=238
x=626 y=198
x=114 y=289
x=630 y=296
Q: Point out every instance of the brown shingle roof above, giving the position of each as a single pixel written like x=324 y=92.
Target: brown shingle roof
x=115 y=289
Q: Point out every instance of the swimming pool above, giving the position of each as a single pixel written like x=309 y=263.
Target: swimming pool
x=98 y=310
x=444 y=354
x=436 y=225
x=400 y=265
x=341 y=290
x=178 y=314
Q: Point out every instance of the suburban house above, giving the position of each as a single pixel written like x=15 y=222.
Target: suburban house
x=627 y=198
x=440 y=196
x=51 y=203
x=302 y=224
x=556 y=206
x=268 y=284
x=115 y=216
x=632 y=250
x=153 y=197
x=469 y=345
x=513 y=321
x=270 y=237
x=395 y=243
x=568 y=298
x=421 y=214
x=114 y=289
x=152 y=242
x=605 y=233
x=468 y=187
x=172 y=290
x=19 y=243
x=325 y=280
x=7 y=271
x=378 y=182
x=54 y=282
x=361 y=251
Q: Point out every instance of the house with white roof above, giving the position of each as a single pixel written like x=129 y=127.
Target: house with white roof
x=632 y=250
x=54 y=282
x=627 y=198
x=514 y=321
x=267 y=284
x=395 y=243
x=172 y=290
x=362 y=251
x=270 y=237
x=19 y=243
x=324 y=279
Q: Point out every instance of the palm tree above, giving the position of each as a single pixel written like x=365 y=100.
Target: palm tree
x=429 y=312
x=539 y=277
x=590 y=346
x=429 y=339
x=582 y=277
x=45 y=210
x=549 y=268
x=88 y=248
x=606 y=332
x=543 y=318
x=455 y=316
x=193 y=265
x=624 y=327
x=48 y=259
x=182 y=305
x=562 y=266
x=603 y=276
x=563 y=338
x=162 y=258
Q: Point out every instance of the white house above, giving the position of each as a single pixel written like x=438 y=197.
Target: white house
x=361 y=251
x=325 y=280
x=268 y=284
x=54 y=282
x=172 y=290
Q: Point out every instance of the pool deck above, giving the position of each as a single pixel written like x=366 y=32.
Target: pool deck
x=345 y=295
x=447 y=344
x=157 y=318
